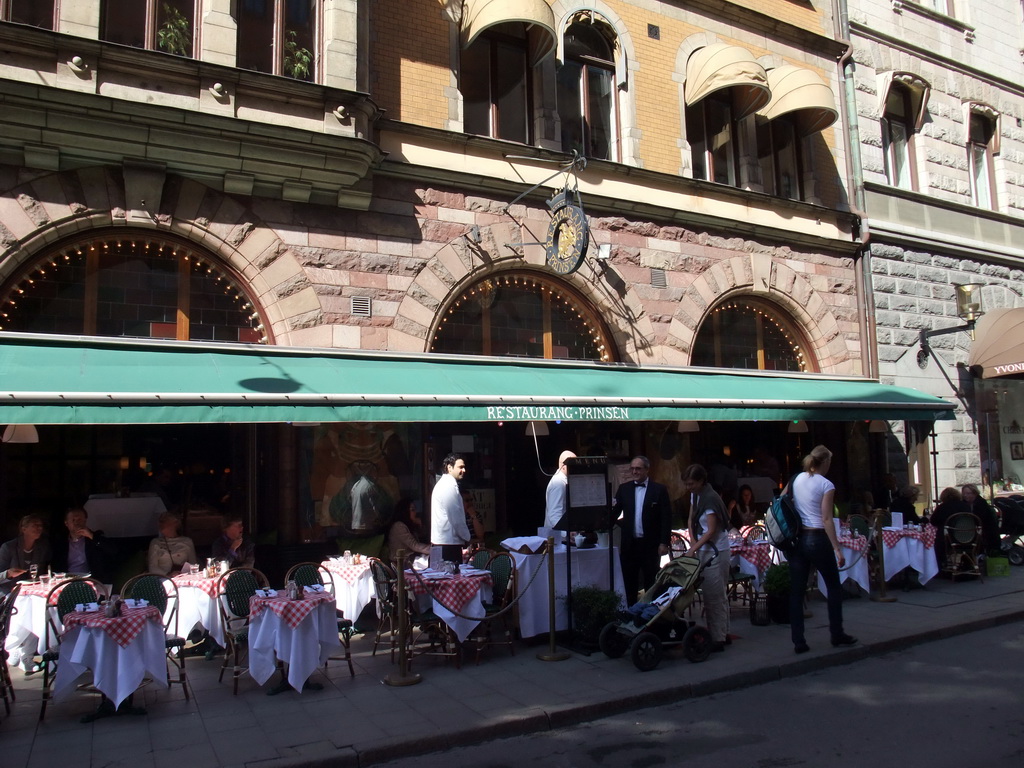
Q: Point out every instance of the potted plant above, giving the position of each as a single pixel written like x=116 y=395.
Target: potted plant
x=776 y=587
x=298 y=61
x=592 y=608
x=175 y=34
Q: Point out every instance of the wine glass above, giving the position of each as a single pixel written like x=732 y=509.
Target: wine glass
x=33 y=571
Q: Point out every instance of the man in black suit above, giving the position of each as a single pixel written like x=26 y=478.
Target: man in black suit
x=83 y=550
x=645 y=536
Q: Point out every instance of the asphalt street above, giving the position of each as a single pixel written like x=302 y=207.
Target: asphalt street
x=953 y=703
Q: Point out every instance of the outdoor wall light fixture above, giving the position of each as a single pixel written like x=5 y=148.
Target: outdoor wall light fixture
x=968 y=309
x=688 y=426
x=21 y=433
x=537 y=429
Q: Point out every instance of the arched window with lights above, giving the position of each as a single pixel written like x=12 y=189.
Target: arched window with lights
x=751 y=333
x=141 y=287
x=519 y=315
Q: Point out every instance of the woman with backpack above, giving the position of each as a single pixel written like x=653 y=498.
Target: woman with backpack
x=818 y=546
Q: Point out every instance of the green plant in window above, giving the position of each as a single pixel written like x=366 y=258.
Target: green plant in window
x=298 y=61
x=175 y=34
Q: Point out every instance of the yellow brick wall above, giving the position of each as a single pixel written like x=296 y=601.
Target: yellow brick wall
x=409 y=60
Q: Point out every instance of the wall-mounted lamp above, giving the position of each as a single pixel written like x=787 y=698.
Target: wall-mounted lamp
x=688 y=426
x=797 y=427
x=604 y=251
x=878 y=426
x=537 y=429
x=968 y=309
x=21 y=433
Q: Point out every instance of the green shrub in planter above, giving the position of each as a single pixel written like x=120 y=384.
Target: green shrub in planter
x=776 y=585
x=592 y=608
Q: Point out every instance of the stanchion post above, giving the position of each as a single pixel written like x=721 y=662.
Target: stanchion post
x=404 y=676
x=883 y=596
x=552 y=653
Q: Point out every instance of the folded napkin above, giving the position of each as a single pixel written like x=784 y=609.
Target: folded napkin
x=140 y=603
x=269 y=592
x=469 y=570
x=313 y=588
x=524 y=544
x=87 y=607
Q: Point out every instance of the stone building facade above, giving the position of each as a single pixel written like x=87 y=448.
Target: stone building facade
x=939 y=108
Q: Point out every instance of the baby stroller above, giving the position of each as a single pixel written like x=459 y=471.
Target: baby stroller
x=660 y=623
x=1011 y=527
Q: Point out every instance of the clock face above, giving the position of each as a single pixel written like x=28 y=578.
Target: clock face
x=567 y=240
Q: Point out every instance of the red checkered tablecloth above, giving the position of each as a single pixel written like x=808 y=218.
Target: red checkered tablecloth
x=121 y=629
x=350 y=574
x=292 y=612
x=857 y=543
x=198 y=581
x=926 y=536
x=760 y=554
x=35 y=589
x=454 y=592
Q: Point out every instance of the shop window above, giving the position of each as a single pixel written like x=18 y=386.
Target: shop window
x=712 y=132
x=587 y=97
x=981 y=133
x=779 y=154
x=749 y=333
x=158 y=25
x=897 y=137
x=34 y=13
x=278 y=36
x=131 y=288
x=495 y=83
x=522 y=316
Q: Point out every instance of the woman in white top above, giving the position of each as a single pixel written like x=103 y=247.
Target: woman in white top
x=709 y=532
x=814 y=496
x=169 y=551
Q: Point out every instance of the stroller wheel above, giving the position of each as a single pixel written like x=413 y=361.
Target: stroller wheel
x=697 y=644
x=646 y=651
x=612 y=642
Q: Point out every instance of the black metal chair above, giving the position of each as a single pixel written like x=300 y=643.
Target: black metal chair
x=963 y=538
x=7 y=610
x=503 y=588
x=162 y=593
x=235 y=589
x=308 y=574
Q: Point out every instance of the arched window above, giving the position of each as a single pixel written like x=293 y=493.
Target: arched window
x=587 y=104
x=520 y=315
x=136 y=286
x=750 y=333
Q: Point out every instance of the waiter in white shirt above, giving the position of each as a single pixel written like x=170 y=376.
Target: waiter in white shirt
x=448 y=528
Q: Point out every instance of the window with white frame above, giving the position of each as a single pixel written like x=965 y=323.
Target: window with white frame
x=157 y=25
x=980 y=140
x=898 y=137
x=278 y=37
x=34 y=13
x=780 y=157
x=495 y=79
x=941 y=6
x=712 y=132
x=587 y=97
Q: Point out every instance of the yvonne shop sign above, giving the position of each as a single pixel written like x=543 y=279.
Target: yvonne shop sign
x=556 y=413
x=1003 y=370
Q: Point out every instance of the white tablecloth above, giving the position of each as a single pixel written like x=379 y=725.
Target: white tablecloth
x=29 y=619
x=197 y=607
x=589 y=568
x=118 y=518
x=911 y=553
x=303 y=648
x=116 y=671
x=352 y=598
x=858 y=571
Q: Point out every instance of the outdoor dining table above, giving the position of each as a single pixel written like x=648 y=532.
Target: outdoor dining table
x=121 y=651
x=29 y=617
x=448 y=595
x=910 y=548
x=353 y=586
x=856 y=568
x=302 y=633
x=197 y=604
x=751 y=557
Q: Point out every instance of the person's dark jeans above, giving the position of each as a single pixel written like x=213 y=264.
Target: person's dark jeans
x=814 y=549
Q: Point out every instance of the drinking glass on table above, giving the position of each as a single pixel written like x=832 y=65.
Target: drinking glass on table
x=33 y=572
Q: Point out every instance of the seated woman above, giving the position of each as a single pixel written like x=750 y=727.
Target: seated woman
x=950 y=503
x=170 y=550
x=29 y=548
x=742 y=513
x=474 y=522
x=404 y=531
x=989 y=522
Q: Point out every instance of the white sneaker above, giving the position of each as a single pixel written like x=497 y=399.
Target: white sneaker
x=14 y=657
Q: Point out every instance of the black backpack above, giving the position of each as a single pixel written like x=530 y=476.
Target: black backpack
x=782 y=522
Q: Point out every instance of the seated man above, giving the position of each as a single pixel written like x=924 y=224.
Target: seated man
x=232 y=545
x=83 y=550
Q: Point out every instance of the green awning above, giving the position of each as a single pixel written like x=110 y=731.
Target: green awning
x=81 y=380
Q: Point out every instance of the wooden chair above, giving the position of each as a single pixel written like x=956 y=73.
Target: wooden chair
x=385 y=591
x=160 y=591
x=235 y=588
x=503 y=588
x=308 y=574
x=60 y=601
x=962 y=533
x=481 y=558
x=6 y=611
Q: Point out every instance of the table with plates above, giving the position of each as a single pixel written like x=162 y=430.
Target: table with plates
x=198 y=597
x=590 y=568
x=121 y=651
x=353 y=585
x=464 y=593
x=302 y=633
x=910 y=548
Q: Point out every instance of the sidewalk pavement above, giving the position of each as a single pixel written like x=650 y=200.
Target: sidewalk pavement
x=360 y=721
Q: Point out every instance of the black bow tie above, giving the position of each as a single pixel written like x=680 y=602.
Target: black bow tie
x=641 y=485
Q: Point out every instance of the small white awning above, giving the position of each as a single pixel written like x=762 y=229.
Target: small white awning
x=719 y=66
x=800 y=93
x=480 y=15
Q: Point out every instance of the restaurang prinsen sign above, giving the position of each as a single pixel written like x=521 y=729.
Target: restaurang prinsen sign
x=556 y=413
